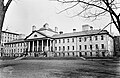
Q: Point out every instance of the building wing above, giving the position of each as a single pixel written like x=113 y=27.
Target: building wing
x=81 y=33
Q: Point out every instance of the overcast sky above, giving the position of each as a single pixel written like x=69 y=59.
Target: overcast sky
x=23 y=14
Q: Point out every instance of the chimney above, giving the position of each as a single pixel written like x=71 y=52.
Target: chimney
x=21 y=36
x=86 y=27
x=91 y=28
x=33 y=28
x=45 y=25
x=61 y=32
x=56 y=29
x=74 y=30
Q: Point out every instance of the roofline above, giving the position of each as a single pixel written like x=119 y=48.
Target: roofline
x=10 y=32
x=14 y=42
x=48 y=30
x=37 y=39
x=37 y=32
x=85 y=35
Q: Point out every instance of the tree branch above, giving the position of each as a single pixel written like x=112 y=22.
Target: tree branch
x=105 y=27
x=110 y=8
x=68 y=8
x=114 y=21
x=7 y=5
x=86 y=8
x=84 y=3
x=118 y=14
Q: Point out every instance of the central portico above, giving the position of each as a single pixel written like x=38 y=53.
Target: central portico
x=40 y=41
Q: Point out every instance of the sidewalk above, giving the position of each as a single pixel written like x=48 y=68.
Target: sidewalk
x=59 y=58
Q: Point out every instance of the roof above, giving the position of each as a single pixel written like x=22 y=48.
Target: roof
x=10 y=32
x=81 y=33
x=39 y=33
x=45 y=27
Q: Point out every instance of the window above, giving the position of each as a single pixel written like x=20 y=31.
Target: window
x=21 y=44
x=21 y=50
x=68 y=40
x=73 y=47
x=18 y=44
x=68 y=47
x=59 y=54
x=72 y=39
x=18 y=50
x=95 y=37
x=85 y=47
x=59 y=48
x=35 y=35
x=85 y=39
x=63 y=48
x=80 y=47
x=63 y=40
x=90 y=38
x=59 y=40
x=102 y=38
x=79 y=39
x=96 y=46
x=90 y=47
x=90 y=53
x=85 y=53
x=56 y=48
x=55 y=41
x=68 y=54
x=73 y=53
x=102 y=45
x=24 y=49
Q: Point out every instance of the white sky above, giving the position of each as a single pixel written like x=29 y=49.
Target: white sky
x=23 y=14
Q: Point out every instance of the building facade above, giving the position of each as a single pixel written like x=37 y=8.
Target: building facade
x=8 y=36
x=14 y=48
x=91 y=44
x=88 y=42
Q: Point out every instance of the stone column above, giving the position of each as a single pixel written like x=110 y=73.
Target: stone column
x=33 y=47
x=28 y=46
x=37 y=44
x=47 y=44
x=53 y=45
x=50 y=44
x=42 y=45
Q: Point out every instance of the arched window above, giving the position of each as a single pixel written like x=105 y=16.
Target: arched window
x=35 y=35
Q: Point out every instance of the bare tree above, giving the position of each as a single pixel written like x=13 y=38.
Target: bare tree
x=96 y=8
x=3 y=10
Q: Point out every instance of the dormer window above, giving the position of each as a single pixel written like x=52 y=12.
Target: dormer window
x=35 y=35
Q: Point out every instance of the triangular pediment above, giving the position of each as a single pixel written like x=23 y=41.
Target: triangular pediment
x=34 y=35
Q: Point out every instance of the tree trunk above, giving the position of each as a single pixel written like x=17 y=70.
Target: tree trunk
x=2 y=15
x=118 y=21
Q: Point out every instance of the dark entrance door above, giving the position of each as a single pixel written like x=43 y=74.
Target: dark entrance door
x=80 y=54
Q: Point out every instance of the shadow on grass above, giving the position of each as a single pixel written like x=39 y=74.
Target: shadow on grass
x=6 y=65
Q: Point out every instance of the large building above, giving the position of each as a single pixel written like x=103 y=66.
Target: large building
x=8 y=36
x=88 y=42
